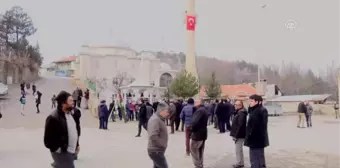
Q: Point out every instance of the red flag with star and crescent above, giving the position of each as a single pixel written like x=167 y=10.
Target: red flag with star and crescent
x=191 y=22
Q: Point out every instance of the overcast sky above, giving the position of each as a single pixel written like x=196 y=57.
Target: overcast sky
x=226 y=29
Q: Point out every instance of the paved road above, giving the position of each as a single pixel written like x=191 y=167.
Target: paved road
x=21 y=142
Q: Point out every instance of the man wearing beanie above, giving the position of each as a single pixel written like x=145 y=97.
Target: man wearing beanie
x=61 y=133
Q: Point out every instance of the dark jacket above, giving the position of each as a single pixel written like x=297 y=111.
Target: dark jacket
x=223 y=111
x=302 y=108
x=34 y=88
x=155 y=105
x=103 y=111
x=199 y=121
x=178 y=109
x=56 y=134
x=76 y=115
x=257 y=133
x=38 y=100
x=197 y=107
x=112 y=108
x=142 y=113
x=239 y=124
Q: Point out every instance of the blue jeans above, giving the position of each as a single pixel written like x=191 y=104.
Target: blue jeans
x=102 y=123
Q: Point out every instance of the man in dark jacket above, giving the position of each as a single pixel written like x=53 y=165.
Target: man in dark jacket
x=199 y=134
x=145 y=112
x=172 y=117
x=38 y=101
x=256 y=132
x=112 y=109
x=34 y=88
x=302 y=111
x=179 y=107
x=238 y=132
x=222 y=112
x=80 y=96
x=103 y=115
x=61 y=133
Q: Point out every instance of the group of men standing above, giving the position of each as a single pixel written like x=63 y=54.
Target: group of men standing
x=62 y=129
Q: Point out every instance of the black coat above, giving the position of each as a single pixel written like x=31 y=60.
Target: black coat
x=257 y=133
x=223 y=111
x=302 y=108
x=56 y=134
x=76 y=116
x=179 y=108
x=142 y=113
x=239 y=125
x=199 y=122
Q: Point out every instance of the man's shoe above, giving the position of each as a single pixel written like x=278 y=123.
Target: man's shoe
x=238 y=166
x=137 y=136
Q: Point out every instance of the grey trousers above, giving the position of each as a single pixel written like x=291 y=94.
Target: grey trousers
x=63 y=160
x=239 y=152
x=158 y=158
x=197 y=150
x=257 y=158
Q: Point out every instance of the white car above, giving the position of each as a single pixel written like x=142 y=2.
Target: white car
x=3 y=89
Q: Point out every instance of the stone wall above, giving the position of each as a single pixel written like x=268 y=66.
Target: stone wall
x=17 y=76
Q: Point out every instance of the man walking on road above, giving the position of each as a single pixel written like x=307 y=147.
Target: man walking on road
x=158 y=136
x=199 y=134
x=145 y=113
x=256 y=132
x=172 y=117
x=186 y=115
x=61 y=134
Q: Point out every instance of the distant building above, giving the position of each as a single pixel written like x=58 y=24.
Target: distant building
x=143 y=73
x=234 y=92
x=65 y=67
x=290 y=103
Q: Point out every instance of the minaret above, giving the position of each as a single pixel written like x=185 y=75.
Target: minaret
x=190 y=60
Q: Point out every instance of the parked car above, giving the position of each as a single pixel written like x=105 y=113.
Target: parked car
x=273 y=108
x=3 y=89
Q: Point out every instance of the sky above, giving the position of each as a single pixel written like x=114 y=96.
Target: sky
x=226 y=29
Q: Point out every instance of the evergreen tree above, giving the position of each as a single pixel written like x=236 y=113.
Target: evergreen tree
x=185 y=85
x=213 y=87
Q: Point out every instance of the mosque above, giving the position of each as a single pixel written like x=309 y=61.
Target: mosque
x=138 y=74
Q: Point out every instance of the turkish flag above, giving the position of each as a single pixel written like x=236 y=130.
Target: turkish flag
x=191 y=22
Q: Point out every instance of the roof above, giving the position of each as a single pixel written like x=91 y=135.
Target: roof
x=298 y=98
x=67 y=59
x=234 y=91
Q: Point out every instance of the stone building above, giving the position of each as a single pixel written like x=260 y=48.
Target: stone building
x=143 y=73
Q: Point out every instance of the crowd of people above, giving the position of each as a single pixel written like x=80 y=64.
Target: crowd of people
x=246 y=127
x=24 y=87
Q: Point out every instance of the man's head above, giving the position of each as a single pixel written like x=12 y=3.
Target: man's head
x=191 y=101
x=238 y=104
x=65 y=101
x=163 y=109
x=305 y=102
x=255 y=100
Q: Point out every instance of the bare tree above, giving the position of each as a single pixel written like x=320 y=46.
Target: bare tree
x=120 y=80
